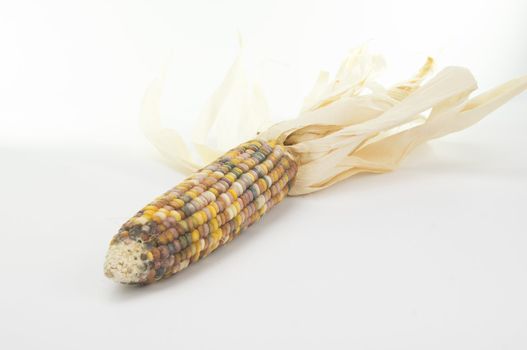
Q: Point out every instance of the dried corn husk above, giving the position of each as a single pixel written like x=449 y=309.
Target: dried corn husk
x=234 y=114
x=347 y=125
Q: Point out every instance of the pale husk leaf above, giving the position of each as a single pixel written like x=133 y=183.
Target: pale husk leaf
x=347 y=125
x=235 y=113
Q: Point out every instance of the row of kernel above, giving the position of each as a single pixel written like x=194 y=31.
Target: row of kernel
x=214 y=172
x=212 y=222
x=249 y=215
x=170 y=200
x=277 y=186
x=249 y=177
x=242 y=151
x=279 y=169
x=277 y=198
x=227 y=232
x=245 y=218
x=265 y=182
x=260 y=186
x=229 y=196
x=160 y=253
x=221 y=216
x=240 y=220
x=189 y=208
x=251 y=145
x=219 y=187
x=207 y=215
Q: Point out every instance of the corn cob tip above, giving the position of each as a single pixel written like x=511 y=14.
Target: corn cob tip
x=124 y=264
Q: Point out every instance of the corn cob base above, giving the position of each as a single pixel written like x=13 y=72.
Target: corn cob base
x=205 y=211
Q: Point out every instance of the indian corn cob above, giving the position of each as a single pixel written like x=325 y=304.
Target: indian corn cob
x=342 y=130
x=205 y=211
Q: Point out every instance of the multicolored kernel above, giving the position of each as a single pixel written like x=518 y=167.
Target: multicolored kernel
x=210 y=208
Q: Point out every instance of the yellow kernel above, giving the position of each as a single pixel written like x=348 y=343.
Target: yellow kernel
x=175 y=215
x=212 y=210
x=216 y=235
x=214 y=224
x=140 y=220
x=177 y=203
x=215 y=206
x=233 y=193
x=198 y=218
x=162 y=239
x=183 y=264
x=149 y=256
x=184 y=225
x=195 y=235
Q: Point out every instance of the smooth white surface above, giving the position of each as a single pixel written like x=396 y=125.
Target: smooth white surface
x=431 y=256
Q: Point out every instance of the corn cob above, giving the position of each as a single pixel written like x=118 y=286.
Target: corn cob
x=205 y=211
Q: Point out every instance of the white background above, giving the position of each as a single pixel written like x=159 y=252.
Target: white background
x=431 y=256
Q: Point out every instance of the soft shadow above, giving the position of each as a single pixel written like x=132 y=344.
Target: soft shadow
x=425 y=159
x=249 y=236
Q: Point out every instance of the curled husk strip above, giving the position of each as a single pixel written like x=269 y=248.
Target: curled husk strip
x=347 y=125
